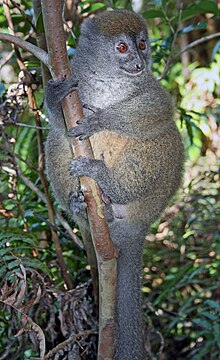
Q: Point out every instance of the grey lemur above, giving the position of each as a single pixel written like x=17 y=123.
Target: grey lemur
x=137 y=148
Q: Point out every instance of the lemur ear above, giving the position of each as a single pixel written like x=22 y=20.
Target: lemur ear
x=88 y=26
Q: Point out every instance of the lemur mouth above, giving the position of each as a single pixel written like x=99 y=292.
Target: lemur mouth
x=133 y=71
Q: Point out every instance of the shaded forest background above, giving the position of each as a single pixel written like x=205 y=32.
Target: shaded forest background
x=181 y=288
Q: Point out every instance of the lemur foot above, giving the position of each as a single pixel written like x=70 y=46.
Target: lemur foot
x=60 y=88
x=78 y=205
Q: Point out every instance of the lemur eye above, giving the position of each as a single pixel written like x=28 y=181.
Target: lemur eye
x=142 y=45
x=122 y=47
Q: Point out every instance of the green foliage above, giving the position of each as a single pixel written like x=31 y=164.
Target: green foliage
x=15 y=250
x=162 y=9
x=91 y=6
x=193 y=109
x=183 y=268
x=201 y=7
x=181 y=275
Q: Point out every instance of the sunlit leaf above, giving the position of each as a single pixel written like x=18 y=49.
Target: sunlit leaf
x=151 y=14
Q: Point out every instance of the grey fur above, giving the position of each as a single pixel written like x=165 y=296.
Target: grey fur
x=138 y=154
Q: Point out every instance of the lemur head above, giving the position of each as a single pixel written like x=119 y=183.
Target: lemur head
x=117 y=41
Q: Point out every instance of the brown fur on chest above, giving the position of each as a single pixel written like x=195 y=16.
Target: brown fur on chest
x=109 y=147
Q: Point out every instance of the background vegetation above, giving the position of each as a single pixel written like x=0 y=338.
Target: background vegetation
x=181 y=287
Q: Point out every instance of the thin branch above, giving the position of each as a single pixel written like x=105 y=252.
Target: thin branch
x=68 y=228
x=56 y=228
x=41 y=196
x=41 y=163
x=33 y=327
x=25 y=45
x=66 y=22
x=11 y=32
x=44 y=181
x=28 y=163
x=22 y=12
x=6 y=57
x=70 y=340
x=106 y=251
x=172 y=58
x=25 y=125
x=175 y=32
x=197 y=42
x=168 y=20
x=14 y=178
x=41 y=41
x=61 y=219
x=31 y=186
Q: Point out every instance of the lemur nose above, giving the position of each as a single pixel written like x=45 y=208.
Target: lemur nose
x=139 y=66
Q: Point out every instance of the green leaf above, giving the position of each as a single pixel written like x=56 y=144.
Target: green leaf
x=203 y=323
x=170 y=284
x=93 y=7
x=151 y=14
x=216 y=328
x=209 y=315
x=215 y=50
x=188 y=233
x=35 y=264
x=11 y=237
x=213 y=305
x=192 y=27
x=190 y=124
x=200 y=7
x=208 y=6
x=6 y=250
x=189 y=130
x=13 y=264
x=96 y=6
x=2 y=89
x=11 y=274
x=40 y=23
x=82 y=4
